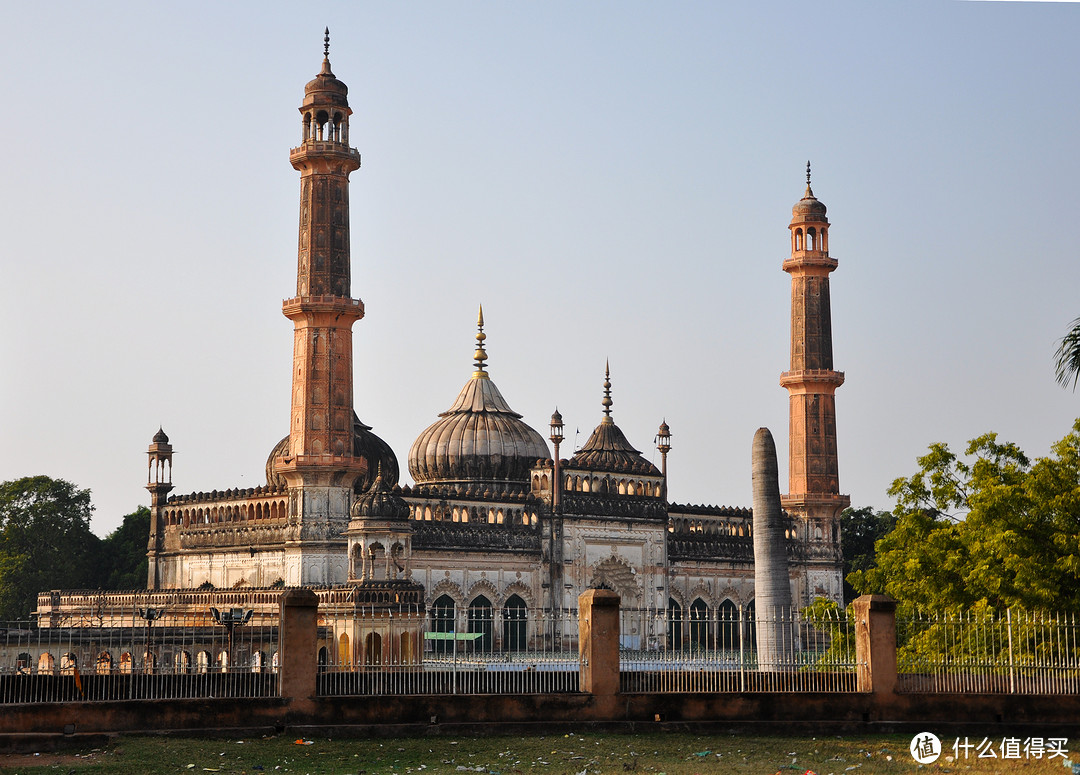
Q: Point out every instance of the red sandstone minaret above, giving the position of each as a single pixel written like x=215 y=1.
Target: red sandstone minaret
x=813 y=478
x=319 y=465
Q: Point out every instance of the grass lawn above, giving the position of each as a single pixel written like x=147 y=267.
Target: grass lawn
x=671 y=753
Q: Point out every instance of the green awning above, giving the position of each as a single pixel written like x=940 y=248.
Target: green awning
x=452 y=635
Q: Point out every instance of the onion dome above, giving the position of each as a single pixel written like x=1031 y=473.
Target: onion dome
x=380 y=501
x=366 y=445
x=478 y=439
x=607 y=448
x=325 y=88
x=160 y=437
x=808 y=208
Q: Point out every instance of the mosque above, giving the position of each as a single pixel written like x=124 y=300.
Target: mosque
x=495 y=519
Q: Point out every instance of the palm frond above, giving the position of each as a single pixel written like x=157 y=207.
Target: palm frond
x=1067 y=357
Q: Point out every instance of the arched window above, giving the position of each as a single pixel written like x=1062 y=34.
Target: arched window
x=699 y=624
x=749 y=628
x=675 y=625
x=69 y=663
x=182 y=662
x=202 y=662
x=373 y=649
x=729 y=626
x=23 y=662
x=515 y=624
x=323 y=659
x=442 y=621
x=46 y=663
x=481 y=620
x=344 y=656
x=126 y=662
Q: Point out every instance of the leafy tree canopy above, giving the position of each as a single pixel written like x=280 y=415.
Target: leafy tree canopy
x=45 y=541
x=125 y=565
x=860 y=529
x=990 y=529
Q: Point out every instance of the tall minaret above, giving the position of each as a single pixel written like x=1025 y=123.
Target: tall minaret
x=319 y=465
x=813 y=479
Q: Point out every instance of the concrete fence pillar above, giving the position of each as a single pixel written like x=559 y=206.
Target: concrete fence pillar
x=875 y=643
x=298 y=647
x=598 y=642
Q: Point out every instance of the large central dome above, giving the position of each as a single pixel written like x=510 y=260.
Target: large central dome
x=479 y=439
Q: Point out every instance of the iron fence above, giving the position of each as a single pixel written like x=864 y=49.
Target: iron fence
x=1015 y=652
x=448 y=650
x=132 y=659
x=736 y=649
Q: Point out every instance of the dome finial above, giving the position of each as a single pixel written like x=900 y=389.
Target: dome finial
x=607 y=402
x=480 y=355
x=326 y=43
x=808 y=191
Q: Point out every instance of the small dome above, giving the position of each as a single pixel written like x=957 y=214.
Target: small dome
x=326 y=88
x=809 y=207
x=380 y=501
x=366 y=445
x=160 y=437
x=608 y=450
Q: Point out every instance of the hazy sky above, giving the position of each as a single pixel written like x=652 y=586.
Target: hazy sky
x=610 y=179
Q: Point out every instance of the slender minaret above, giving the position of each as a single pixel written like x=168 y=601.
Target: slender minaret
x=159 y=483
x=319 y=466
x=813 y=478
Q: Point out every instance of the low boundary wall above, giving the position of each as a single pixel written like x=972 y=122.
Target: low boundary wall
x=876 y=706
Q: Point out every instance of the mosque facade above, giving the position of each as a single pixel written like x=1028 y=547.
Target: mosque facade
x=495 y=518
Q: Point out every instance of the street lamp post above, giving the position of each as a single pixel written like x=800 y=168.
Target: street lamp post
x=150 y=615
x=230 y=620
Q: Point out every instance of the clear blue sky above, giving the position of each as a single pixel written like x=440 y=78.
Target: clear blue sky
x=610 y=179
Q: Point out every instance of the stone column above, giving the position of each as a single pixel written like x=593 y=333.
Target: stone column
x=772 y=581
x=875 y=643
x=598 y=642
x=298 y=647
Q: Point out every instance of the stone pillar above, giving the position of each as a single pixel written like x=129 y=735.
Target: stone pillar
x=772 y=582
x=298 y=647
x=598 y=642
x=875 y=643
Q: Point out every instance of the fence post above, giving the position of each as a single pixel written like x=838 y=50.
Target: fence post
x=875 y=643
x=298 y=647
x=598 y=639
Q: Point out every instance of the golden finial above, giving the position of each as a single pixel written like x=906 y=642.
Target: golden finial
x=480 y=355
x=607 y=402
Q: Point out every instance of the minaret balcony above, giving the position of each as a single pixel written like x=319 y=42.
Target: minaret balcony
x=326 y=303
x=324 y=148
x=812 y=380
x=810 y=260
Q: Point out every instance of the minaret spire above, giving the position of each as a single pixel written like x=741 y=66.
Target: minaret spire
x=326 y=44
x=809 y=192
x=607 y=402
x=481 y=354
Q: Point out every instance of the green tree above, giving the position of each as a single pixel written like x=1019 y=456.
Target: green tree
x=989 y=530
x=1067 y=358
x=860 y=529
x=45 y=541
x=125 y=565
